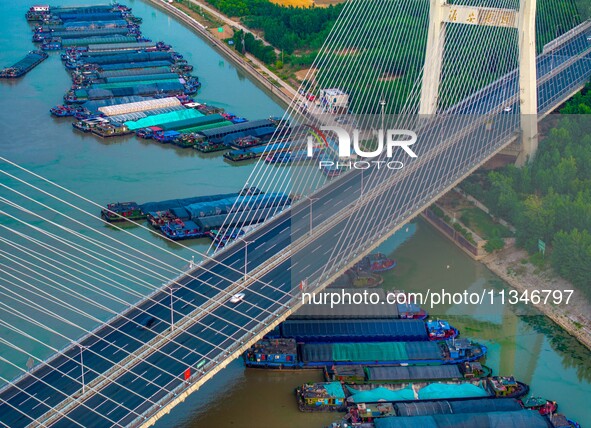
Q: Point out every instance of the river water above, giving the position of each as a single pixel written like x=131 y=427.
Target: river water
x=520 y=341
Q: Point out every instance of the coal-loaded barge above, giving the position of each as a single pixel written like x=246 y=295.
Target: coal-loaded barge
x=196 y=217
x=22 y=67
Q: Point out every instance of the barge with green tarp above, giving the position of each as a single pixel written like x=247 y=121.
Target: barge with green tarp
x=22 y=67
x=263 y=354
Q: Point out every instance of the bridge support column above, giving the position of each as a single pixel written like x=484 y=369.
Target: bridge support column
x=433 y=58
x=528 y=92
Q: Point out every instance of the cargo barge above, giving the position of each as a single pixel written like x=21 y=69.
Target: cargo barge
x=77 y=34
x=340 y=396
x=401 y=374
x=221 y=138
x=22 y=67
x=355 y=330
x=80 y=96
x=479 y=412
x=286 y=353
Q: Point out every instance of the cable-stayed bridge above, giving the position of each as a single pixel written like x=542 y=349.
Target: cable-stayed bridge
x=137 y=366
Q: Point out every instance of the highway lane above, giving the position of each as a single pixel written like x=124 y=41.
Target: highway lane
x=128 y=333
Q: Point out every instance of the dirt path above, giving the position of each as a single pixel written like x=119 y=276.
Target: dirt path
x=575 y=317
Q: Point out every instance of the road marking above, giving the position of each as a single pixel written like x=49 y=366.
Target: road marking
x=40 y=403
x=317 y=248
x=120 y=349
x=221 y=329
x=188 y=303
x=106 y=346
x=284 y=230
x=68 y=372
x=29 y=397
x=113 y=409
x=260 y=245
x=271 y=247
x=142 y=375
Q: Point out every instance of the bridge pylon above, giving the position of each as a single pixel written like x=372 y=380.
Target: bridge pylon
x=524 y=20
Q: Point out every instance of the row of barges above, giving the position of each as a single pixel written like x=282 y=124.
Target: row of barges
x=199 y=216
x=384 y=369
x=124 y=83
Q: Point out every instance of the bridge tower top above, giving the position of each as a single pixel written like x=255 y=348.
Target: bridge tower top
x=524 y=20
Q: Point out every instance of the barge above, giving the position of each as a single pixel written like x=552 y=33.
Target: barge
x=355 y=330
x=22 y=67
x=286 y=353
x=400 y=374
x=419 y=393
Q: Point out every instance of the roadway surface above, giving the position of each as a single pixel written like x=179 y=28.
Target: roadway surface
x=139 y=390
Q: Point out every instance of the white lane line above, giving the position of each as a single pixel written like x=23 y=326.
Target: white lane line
x=142 y=375
x=221 y=329
x=69 y=371
x=188 y=303
x=40 y=403
x=271 y=247
x=284 y=230
x=260 y=245
x=120 y=349
x=113 y=409
x=29 y=397
x=317 y=248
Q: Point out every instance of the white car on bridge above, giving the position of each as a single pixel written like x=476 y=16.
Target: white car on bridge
x=237 y=298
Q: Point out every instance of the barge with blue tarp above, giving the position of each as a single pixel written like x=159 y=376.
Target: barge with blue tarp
x=397 y=374
x=366 y=415
x=517 y=419
x=221 y=138
x=122 y=59
x=318 y=355
x=83 y=95
x=59 y=43
x=78 y=34
x=83 y=25
x=370 y=330
x=22 y=67
x=360 y=395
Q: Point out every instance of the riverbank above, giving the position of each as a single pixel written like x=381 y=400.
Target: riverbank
x=512 y=265
x=271 y=82
x=574 y=317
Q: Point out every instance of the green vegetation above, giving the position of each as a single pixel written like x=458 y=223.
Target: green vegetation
x=245 y=42
x=550 y=199
x=378 y=63
x=286 y=28
x=481 y=223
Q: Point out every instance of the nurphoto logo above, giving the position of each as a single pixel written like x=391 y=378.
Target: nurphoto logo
x=394 y=138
